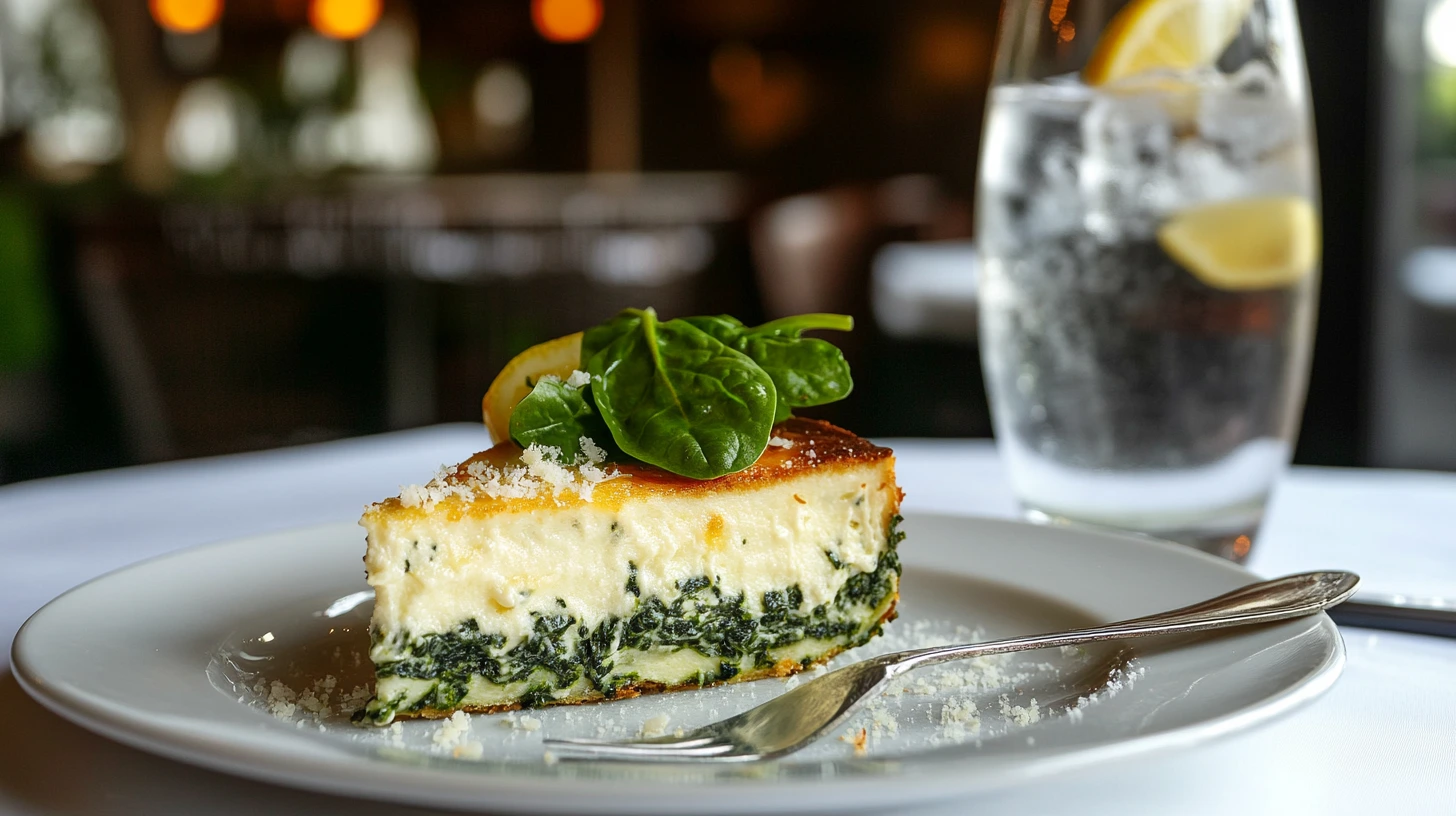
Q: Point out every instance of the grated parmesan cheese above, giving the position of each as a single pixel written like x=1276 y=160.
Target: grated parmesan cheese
x=858 y=739
x=540 y=473
x=594 y=453
x=882 y=721
x=1021 y=715
x=655 y=726
x=469 y=750
x=452 y=729
x=541 y=464
x=959 y=716
x=322 y=700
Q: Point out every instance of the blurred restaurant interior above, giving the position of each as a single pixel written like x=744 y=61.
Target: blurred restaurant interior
x=228 y=225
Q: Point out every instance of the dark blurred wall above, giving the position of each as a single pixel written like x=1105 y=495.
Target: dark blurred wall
x=1339 y=45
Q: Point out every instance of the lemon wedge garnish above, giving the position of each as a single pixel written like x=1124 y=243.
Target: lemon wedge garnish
x=559 y=357
x=1171 y=34
x=1252 y=243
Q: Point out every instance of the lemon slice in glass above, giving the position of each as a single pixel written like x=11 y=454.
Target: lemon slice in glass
x=559 y=357
x=1171 y=34
x=1252 y=243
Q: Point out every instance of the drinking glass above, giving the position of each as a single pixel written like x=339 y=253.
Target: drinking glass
x=1147 y=215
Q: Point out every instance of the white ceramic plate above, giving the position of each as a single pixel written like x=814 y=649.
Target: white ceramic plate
x=164 y=655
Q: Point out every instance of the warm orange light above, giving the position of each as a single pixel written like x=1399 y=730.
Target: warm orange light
x=736 y=71
x=566 y=21
x=1057 y=12
x=344 y=19
x=1066 y=31
x=186 y=16
x=950 y=52
x=1242 y=545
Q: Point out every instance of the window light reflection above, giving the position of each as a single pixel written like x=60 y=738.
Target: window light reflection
x=502 y=96
x=312 y=67
x=1441 y=32
x=203 y=136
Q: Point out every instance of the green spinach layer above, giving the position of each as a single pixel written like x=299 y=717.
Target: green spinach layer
x=561 y=651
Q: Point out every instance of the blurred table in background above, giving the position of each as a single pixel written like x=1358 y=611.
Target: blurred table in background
x=926 y=290
x=376 y=304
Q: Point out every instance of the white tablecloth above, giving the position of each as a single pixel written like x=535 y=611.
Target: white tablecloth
x=1382 y=741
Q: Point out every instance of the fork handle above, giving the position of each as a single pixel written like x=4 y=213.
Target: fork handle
x=1292 y=596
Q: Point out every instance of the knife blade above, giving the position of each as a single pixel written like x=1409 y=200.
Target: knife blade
x=1397 y=613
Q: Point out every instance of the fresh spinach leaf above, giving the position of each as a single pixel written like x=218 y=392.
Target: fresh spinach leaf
x=806 y=371
x=598 y=337
x=696 y=396
x=726 y=329
x=794 y=325
x=556 y=414
x=675 y=397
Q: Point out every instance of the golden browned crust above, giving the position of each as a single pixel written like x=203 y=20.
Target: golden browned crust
x=783 y=668
x=813 y=446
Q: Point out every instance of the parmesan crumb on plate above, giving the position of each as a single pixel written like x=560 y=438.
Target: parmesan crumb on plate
x=451 y=730
x=468 y=750
x=882 y=720
x=858 y=739
x=654 y=726
x=959 y=716
x=1021 y=715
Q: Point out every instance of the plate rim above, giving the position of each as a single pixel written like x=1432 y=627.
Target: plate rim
x=571 y=795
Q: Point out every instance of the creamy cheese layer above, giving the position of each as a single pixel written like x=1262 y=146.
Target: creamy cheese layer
x=433 y=571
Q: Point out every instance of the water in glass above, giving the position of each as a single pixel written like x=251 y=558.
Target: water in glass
x=1134 y=382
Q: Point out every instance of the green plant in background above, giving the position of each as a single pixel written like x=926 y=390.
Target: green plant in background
x=695 y=396
x=1438 y=131
x=26 y=323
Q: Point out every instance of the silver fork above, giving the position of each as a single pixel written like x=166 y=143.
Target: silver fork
x=794 y=719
